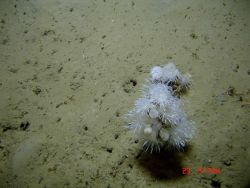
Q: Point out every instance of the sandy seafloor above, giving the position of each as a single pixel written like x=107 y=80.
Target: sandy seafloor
x=70 y=70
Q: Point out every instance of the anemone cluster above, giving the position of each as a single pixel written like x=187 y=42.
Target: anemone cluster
x=157 y=118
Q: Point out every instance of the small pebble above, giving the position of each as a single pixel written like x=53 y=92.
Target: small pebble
x=236 y=67
x=116 y=136
x=216 y=183
x=227 y=162
x=130 y=165
x=24 y=125
x=109 y=150
x=240 y=98
x=231 y=91
x=37 y=90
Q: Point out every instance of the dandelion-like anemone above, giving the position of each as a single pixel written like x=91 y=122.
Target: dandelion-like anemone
x=157 y=118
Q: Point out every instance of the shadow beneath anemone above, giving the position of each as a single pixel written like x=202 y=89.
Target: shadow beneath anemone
x=166 y=165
